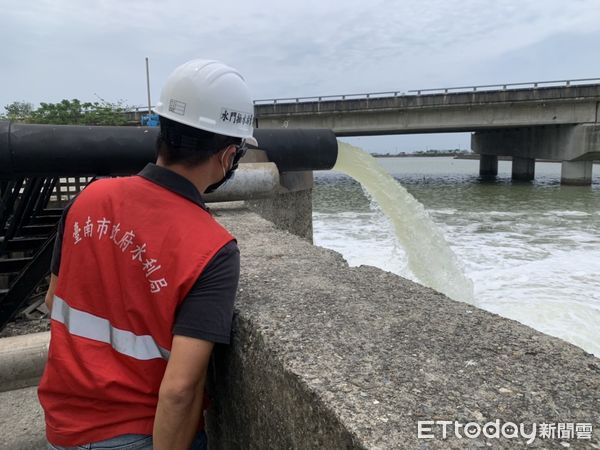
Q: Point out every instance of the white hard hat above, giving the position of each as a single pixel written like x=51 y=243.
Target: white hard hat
x=208 y=95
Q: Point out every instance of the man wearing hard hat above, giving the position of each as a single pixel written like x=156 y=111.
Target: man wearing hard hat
x=144 y=279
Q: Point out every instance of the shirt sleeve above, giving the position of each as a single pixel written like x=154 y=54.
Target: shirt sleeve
x=207 y=311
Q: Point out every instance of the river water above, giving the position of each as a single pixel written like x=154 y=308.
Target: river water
x=532 y=250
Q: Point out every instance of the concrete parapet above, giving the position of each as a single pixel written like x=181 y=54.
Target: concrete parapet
x=327 y=356
x=290 y=210
x=576 y=173
x=22 y=360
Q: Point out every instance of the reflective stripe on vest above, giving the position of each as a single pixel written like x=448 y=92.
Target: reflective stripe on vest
x=81 y=323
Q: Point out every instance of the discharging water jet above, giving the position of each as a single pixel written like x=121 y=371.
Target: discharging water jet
x=430 y=258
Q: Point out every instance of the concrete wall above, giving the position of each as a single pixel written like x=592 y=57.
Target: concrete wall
x=290 y=210
x=327 y=356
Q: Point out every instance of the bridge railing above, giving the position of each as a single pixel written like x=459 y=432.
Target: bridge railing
x=446 y=90
x=362 y=96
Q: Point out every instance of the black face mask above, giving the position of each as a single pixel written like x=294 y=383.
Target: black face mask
x=240 y=150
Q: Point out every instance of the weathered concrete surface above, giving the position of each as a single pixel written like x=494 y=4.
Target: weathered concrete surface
x=576 y=173
x=21 y=420
x=327 y=356
x=22 y=360
x=292 y=210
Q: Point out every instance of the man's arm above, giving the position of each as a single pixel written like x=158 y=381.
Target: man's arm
x=56 y=257
x=181 y=392
x=50 y=294
x=203 y=319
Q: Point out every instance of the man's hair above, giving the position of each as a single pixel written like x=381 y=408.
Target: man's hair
x=181 y=144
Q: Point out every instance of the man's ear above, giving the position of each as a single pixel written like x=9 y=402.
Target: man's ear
x=229 y=153
x=221 y=155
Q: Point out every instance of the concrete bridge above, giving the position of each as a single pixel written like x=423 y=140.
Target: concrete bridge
x=555 y=120
x=525 y=121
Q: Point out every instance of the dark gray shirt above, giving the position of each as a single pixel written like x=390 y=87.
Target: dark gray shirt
x=207 y=311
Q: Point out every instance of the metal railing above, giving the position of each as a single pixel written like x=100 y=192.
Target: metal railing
x=505 y=86
x=318 y=98
x=136 y=109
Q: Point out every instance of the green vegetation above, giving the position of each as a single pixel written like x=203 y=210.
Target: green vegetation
x=67 y=112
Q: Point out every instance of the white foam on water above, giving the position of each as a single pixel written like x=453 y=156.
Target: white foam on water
x=558 y=294
x=555 y=292
x=567 y=213
x=356 y=238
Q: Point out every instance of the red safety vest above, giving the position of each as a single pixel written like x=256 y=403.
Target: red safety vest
x=131 y=252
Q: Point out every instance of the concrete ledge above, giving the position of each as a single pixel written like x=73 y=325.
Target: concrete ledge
x=291 y=211
x=22 y=360
x=327 y=356
x=22 y=424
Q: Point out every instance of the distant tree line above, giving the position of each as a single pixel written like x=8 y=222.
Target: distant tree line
x=67 y=112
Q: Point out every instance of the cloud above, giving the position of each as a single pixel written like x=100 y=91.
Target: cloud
x=63 y=49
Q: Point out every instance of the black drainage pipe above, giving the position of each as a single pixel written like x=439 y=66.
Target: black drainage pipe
x=50 y=150
x=295 y=150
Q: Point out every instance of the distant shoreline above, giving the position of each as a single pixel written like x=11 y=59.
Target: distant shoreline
x=420 y=155
x=474 y=156
x=509 y=158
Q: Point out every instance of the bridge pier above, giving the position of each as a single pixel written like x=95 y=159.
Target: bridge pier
x=488 y=166
x=576 y=173
x=523 y=169
x=576 y=146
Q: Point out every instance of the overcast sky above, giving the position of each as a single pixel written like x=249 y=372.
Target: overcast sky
x=73 y=49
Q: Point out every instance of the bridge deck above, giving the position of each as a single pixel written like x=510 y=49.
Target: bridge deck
x=445 y=112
